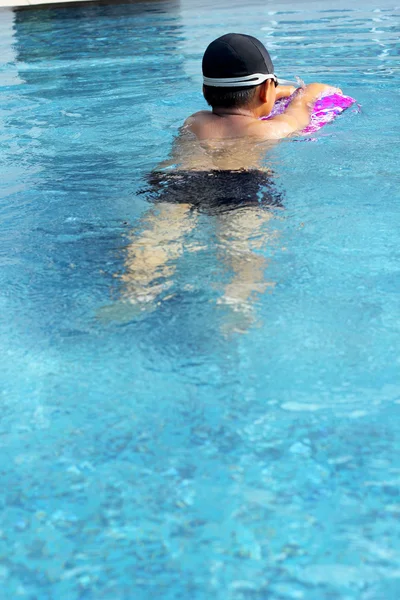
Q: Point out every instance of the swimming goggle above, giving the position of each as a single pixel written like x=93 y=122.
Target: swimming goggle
x=247 y=81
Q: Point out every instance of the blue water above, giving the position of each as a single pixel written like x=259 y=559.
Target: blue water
x=201 y=449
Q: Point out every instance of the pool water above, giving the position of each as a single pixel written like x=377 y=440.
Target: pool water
x=237 y=437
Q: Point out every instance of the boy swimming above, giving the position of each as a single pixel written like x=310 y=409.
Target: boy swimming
x=218 y=167
x=241 y=87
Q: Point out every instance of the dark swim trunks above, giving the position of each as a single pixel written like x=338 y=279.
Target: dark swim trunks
x=214 y=191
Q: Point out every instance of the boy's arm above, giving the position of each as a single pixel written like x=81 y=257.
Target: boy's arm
x=297 y=115
x=284 y=91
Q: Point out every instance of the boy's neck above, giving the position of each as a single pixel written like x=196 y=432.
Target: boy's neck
x=234 y=112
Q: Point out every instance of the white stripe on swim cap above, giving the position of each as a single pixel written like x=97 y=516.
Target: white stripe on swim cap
x=245 y=81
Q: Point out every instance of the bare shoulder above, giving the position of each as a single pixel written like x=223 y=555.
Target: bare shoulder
x=198 y=122
x=197 y=117
x=276 y=128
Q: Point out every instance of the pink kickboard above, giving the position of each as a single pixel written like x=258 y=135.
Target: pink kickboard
x=324 y=111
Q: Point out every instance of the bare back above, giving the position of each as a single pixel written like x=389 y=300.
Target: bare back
x=191 y=154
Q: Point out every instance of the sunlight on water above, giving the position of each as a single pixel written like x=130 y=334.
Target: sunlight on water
x=196 y=402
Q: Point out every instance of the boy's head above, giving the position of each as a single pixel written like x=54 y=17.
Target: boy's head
x=238 y=73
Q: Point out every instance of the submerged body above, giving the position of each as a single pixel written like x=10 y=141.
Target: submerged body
x=217 y=166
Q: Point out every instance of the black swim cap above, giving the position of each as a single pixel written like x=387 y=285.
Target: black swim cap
x=237 y=60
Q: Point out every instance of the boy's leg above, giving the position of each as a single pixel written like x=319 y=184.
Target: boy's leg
x=150 y=260
x=241 y=234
